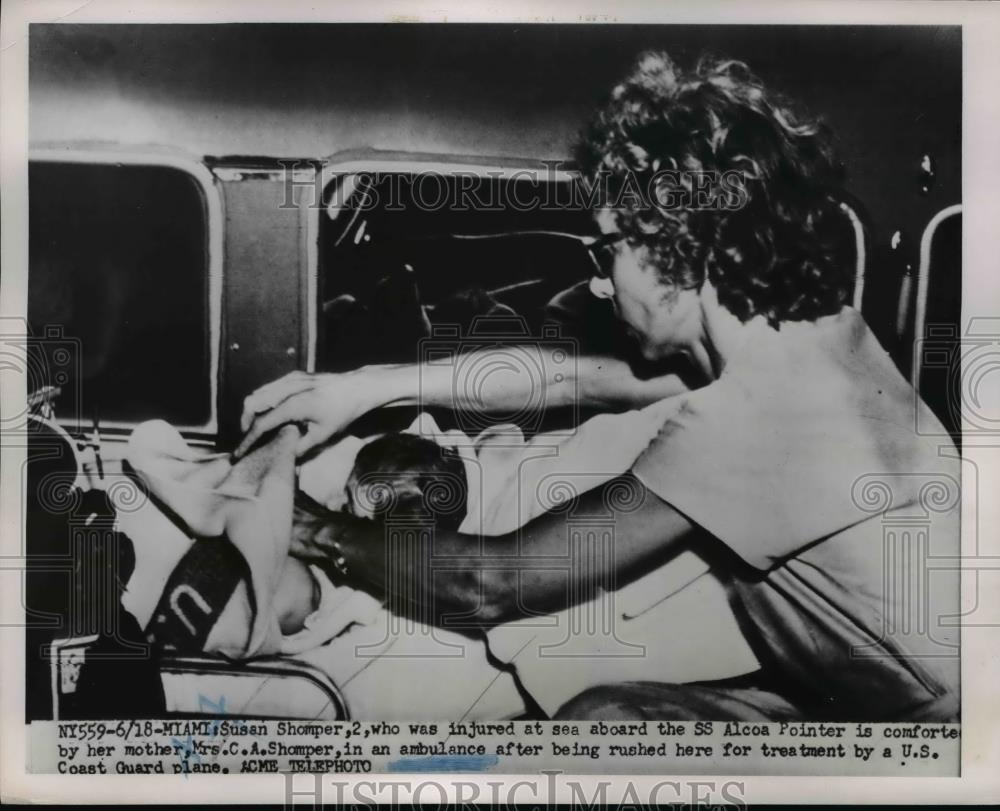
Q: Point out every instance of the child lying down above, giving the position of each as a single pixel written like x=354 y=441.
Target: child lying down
x=250 y=597
x=217 y=591
x=393 y=472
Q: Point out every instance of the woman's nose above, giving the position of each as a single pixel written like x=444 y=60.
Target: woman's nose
x=602 y=287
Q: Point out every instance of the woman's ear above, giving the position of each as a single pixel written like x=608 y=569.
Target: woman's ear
x=602 y=288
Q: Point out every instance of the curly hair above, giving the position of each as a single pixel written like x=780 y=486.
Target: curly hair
x=772 y=241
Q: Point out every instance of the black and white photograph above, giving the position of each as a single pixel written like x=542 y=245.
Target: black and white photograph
x=455 y=380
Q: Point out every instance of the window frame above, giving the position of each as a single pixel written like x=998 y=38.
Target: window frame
x=212 y=202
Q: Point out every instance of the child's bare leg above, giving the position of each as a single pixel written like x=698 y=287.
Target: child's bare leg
x=296 y=596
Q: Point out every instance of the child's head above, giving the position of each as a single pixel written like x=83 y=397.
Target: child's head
x=408 y=476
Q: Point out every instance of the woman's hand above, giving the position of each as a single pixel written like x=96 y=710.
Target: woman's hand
x=316 y=532
x=330 y=538
x=324 y=403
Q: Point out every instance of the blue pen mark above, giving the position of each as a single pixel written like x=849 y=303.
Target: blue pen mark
x=186 y=753
x=186 y=750
x=444 y=763
x=206 y=705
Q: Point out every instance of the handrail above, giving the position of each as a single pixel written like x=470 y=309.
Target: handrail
x=281 y=667
x=860 y=256
x=923 y=279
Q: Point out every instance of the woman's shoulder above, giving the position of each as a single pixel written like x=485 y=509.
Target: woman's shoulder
x=819 y=390
x=840 y=336
x=833 y=363
x=768 y=457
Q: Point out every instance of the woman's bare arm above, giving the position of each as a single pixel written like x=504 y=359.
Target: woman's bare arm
x=555 y=561
x=504 y=379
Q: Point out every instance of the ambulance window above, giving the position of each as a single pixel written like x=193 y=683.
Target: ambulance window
x=118 y=276
x=401 y=251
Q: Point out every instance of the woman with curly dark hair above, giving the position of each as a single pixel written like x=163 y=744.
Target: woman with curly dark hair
x=792 y=463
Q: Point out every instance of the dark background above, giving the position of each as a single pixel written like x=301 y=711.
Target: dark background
x=890 y=93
